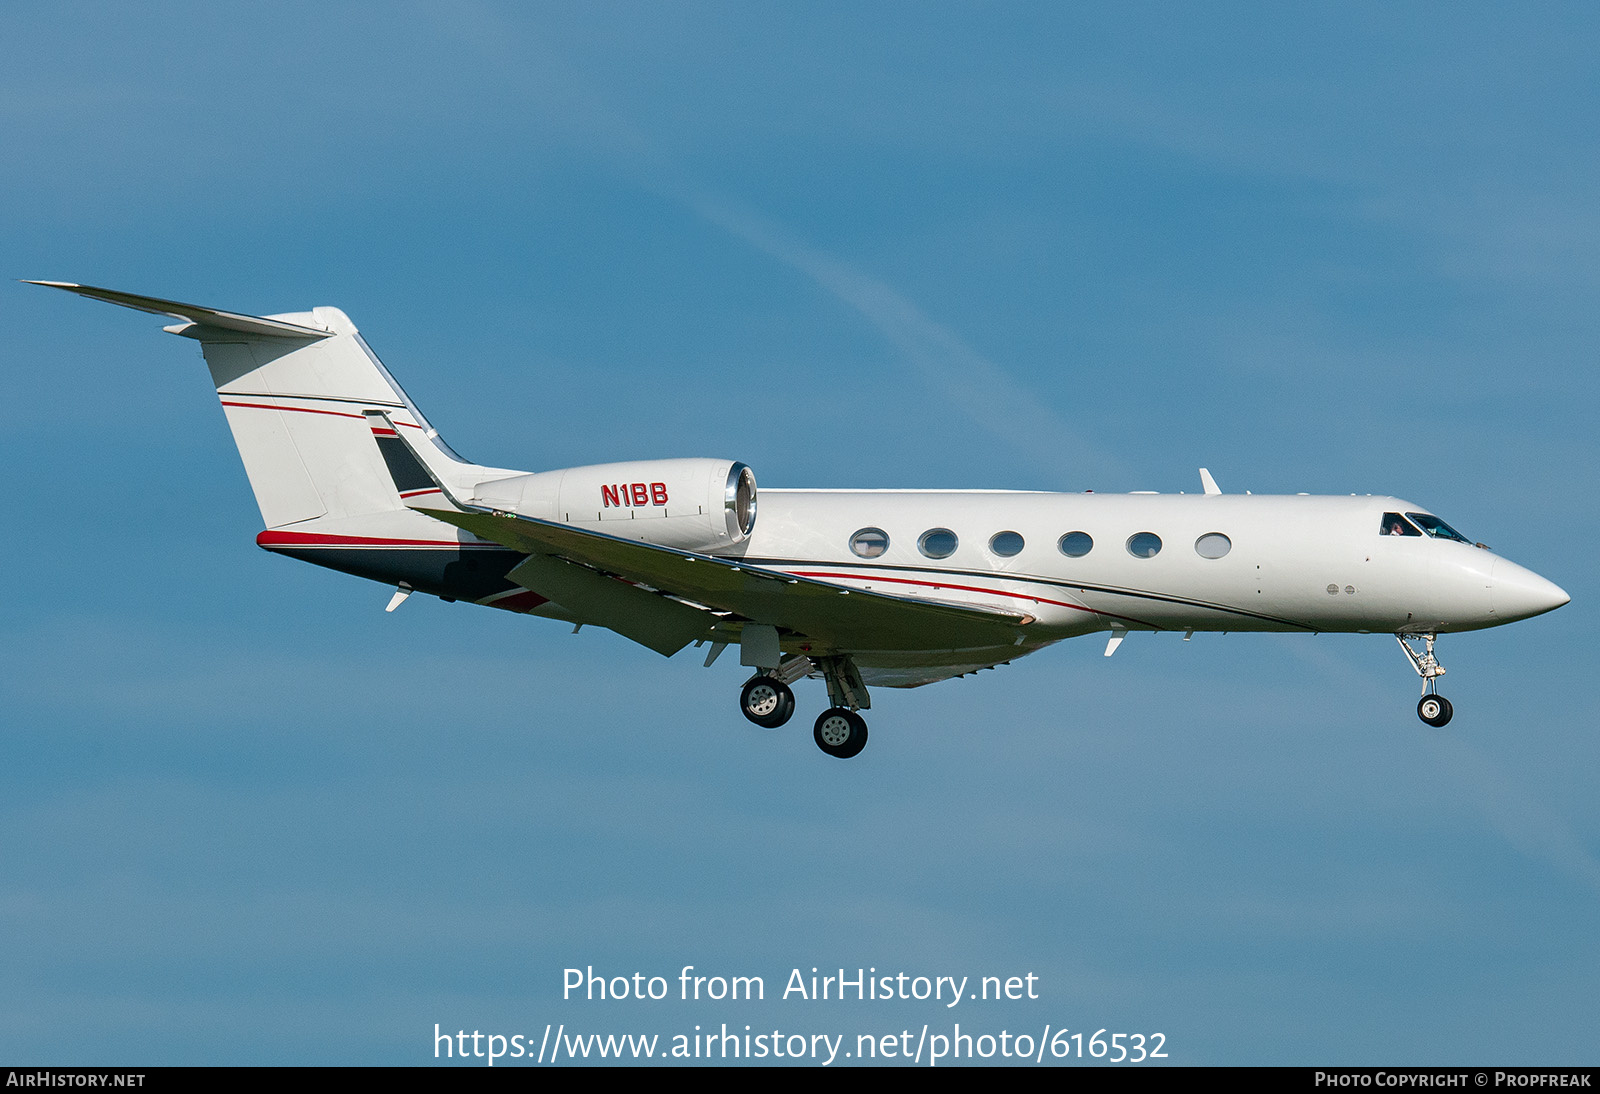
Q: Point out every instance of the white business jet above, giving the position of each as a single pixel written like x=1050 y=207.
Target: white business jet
x=862 y=587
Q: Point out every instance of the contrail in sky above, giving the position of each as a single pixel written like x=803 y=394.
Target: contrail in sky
x=981 y=389
x=975 y=386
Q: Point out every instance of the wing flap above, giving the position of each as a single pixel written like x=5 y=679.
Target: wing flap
x=650 y=619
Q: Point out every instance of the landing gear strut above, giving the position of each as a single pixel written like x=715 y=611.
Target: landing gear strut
x=1432 y=708
x=841 y=732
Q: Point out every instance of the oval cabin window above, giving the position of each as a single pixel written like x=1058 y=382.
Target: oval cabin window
x=869 y=542
x=1075 y=544
x=938 y=543
x=1144 y=545
x=1006 y=544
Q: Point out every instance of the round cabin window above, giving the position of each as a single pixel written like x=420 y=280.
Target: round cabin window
x=869 y=542
x=1006 y=544
x=1075 y=544
x=938 y=543
x=1213 y=545
x=1144 y=545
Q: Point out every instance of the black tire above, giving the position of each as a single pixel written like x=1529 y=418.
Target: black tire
x=767 y=702
x=840 y=733
x=1435 y=710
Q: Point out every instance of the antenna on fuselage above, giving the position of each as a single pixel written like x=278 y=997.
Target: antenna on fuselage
x=1209 y=483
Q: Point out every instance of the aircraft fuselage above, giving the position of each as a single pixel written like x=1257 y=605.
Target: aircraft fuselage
x=1288 y=563
x=858 y=587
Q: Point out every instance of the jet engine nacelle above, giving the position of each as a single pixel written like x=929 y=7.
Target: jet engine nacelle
x=695 y=505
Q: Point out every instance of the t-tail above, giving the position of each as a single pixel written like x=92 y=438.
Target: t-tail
x=315 y=416
x=294 y=387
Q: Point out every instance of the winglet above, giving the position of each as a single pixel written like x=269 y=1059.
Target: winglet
x=1208 y=482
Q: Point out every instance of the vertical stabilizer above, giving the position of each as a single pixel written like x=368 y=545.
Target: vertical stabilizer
x=294 y=388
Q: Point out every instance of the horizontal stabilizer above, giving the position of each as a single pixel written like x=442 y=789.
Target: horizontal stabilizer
x=205 y=317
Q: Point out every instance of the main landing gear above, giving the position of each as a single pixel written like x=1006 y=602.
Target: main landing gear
x=767 y=700
x=840 y=732
x=1432 y=708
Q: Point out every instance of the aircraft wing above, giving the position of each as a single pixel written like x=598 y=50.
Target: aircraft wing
x=835 y=617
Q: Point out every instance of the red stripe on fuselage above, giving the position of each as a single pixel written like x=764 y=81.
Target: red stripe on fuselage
x=308 y=410
x=271 y=539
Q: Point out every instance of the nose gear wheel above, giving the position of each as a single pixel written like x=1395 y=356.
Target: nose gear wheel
x=1432 y=708
x=1435 y=710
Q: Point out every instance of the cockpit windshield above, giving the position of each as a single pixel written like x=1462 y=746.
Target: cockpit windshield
x=1396 y=525
x=1437 y=528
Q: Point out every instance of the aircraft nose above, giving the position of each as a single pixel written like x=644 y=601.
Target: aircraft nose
x=1518 y=593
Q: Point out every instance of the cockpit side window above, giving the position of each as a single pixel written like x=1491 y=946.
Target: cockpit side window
x=1396 y=525
x=1437 y=528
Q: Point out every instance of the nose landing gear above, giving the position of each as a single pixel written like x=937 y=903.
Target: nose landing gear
x=1432 y=708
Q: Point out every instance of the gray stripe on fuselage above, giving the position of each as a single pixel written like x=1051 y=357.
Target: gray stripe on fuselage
x=441 y=571
x=995 y=575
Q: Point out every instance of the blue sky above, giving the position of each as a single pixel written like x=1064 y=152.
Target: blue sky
x=247 y=817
